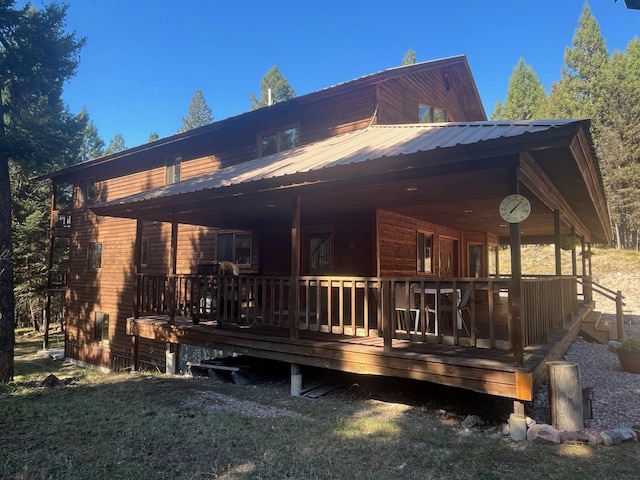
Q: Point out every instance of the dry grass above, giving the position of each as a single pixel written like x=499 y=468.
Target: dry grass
x=123 y=426
x=616 y=270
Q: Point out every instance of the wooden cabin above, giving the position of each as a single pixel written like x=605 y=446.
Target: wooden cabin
x=363 y=223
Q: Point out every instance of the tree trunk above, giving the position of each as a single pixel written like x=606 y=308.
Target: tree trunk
x=617 y=227
x=7 y=299
x=34 y=319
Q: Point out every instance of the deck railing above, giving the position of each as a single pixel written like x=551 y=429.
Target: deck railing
x=392 y=308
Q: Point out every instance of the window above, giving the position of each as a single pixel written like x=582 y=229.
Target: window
x=95 y=256
x=87 y=190
x=101 y=327
x=278 y=141
x=172 y=170
x=431 y=114
x=493 y=260
x=425 y=252
x=235 y=247
x=144 y=251
x=320 y=251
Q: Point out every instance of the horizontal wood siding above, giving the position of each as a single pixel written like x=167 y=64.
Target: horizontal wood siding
x=397 y=243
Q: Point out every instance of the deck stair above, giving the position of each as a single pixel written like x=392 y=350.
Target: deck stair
x=598 y=327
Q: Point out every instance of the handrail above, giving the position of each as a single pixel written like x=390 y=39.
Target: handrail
x=601 y=289
x=612 y=295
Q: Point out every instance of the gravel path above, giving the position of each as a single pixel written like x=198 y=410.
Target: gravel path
x=616 y=393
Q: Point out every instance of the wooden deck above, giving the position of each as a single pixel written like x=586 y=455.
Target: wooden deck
x=485 y=370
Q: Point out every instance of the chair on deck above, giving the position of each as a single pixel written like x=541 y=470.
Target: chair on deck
x=402 y=306
x=463 y=304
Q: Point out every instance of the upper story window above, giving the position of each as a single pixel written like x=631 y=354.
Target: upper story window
x=235 y=247
x=428 y=114
x=172 y=170
x=87 y=189
x=278 y=140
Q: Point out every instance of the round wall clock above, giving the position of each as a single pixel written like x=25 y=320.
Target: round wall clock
x=515 y=208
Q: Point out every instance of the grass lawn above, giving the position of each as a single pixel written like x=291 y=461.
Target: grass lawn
x=141 y=426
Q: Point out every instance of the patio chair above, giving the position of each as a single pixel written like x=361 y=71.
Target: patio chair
x=462 y=305
x=401 y=308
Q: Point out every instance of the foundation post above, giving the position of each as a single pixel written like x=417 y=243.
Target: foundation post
x=296 y=380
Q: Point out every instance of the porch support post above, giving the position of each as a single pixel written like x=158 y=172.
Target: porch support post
x=171 y=354
x=174 y=267
x=134 y=353
x=558 y=240
x=296 y=380
x=137 y=264
x=574 y=263
x=584 y=257
x=296 y=221
x=515 y=290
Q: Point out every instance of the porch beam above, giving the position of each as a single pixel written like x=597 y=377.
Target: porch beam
x=516 y=327
x=574 y=261
x=296 y=225
x=137 y=263
x=580 y=148
x=557 y=241
x=534 y=178
x=174 y=268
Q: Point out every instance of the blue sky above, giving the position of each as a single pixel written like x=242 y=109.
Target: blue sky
x=144 y=59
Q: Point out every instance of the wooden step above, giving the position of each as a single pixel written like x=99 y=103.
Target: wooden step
x=597 y=327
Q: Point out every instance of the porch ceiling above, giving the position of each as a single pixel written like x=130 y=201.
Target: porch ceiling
x=454 y=175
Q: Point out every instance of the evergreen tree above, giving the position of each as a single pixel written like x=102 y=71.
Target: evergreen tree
x=409 y=58
x=36 y=58
x=280 y=89
x=525 y=95
x=115 y=145
x=579 y=89
x=618 y=147
x=498 y=111
x=92 y=145
x=153 y=137
x=199 y=113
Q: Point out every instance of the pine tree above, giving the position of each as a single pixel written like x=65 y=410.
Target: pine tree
x=115 y=145
x=525 y=95
x=92 y=145
x=279 y=86
x=199 y=113
x=579 y=89
x=409 y=58
x=36 y=58
x=153 y=137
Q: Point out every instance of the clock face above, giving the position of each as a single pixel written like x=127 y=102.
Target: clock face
x=515 y=208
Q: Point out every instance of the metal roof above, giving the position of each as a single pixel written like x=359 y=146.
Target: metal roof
x=372 y=143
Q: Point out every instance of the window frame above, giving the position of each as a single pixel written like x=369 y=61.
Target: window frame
x=322 y=233
x=101 y=327
x=277 y=133
x=235 y=238
x=144 y=252
x=172 y=169
x=431 y=112
x=94 y=256
x=424 y=252
x=87 y=190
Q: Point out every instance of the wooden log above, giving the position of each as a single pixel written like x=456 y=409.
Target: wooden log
x=565 y=396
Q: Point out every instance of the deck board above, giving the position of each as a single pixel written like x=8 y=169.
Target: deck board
x=484 y=370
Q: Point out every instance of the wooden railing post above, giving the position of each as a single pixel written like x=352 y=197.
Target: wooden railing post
x=619 y=316
x=387 y=328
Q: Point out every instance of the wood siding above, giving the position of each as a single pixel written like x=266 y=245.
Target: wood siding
x=397 y=243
